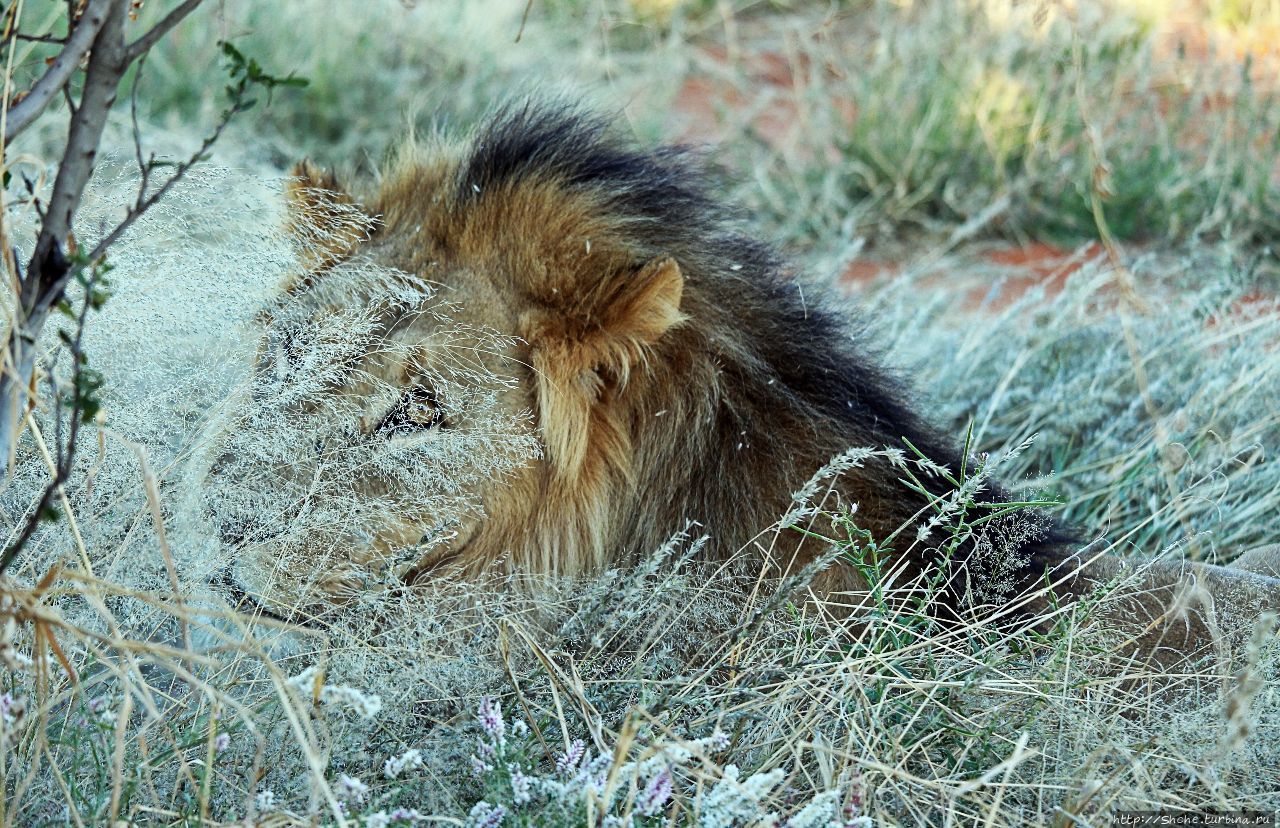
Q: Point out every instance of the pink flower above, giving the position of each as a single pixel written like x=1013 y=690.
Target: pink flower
x=568 y=760
x=407 y=815
x=655 y=794
x=484 y=815
x=521 y=786
x=10 y=708
x=491 y=720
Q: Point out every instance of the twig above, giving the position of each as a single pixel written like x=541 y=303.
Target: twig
x=144 y=43
x=55 y=78
x=65 y=456
x=26 y=38
x=524 y=18
x=72 y=523
x=48 y=269
x=144 y=202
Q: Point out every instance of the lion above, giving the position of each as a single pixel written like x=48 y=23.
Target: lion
x=588 y=312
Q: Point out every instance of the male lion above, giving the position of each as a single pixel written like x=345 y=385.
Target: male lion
x=661 y=367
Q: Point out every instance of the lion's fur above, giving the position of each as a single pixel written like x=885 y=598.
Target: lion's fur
x=682 y=375
x=674 y=370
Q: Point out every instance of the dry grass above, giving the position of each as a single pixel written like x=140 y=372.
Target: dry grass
x=144 y=696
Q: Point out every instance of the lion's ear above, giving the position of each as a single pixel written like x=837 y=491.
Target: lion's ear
x=645 y=306
x=585 y=363
x=324 y=221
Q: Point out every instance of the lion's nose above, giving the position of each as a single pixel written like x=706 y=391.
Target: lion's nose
x=248 y=602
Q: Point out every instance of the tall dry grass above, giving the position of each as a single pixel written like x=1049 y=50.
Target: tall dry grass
x=133 y=689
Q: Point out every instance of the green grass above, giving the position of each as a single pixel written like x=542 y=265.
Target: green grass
x=943 y=130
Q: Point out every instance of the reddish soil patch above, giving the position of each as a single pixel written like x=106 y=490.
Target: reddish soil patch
x=1187 y=32
x=1039 y=265
x=866 y=271
x=1249 y=306
x=762 y=89
x=1044 y=260
x=1014 y=270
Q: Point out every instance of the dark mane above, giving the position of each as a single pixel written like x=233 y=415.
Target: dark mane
x=668 y=195
x=667 y=201
x=561 y=142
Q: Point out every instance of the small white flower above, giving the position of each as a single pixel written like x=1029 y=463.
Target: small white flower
x=352 y=788
x=221 y=742
x=484 y=815
x=735 y=801
x=521 y=786
x=821 y=812
x=411 y=759
x=265 y=801
x=305 y=681
x=364 y=705
x=595 y=773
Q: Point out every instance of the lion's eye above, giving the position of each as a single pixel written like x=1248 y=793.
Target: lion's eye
x=281 y=356
x=418 y=410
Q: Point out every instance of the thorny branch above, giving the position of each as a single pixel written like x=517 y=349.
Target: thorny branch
x=49 y=270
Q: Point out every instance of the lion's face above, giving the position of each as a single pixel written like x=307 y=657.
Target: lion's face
x=384 y=419
x=446 y=382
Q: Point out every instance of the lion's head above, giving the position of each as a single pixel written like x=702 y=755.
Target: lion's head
x=452 y=377
x=382 y=423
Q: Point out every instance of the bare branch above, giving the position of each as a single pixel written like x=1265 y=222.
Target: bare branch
x=51 y=267
x=48 y=269
x=55 y=78
x=106 y=66
x=146 y=41
x=66 y=453
x=144 y=202
x=144 y=169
